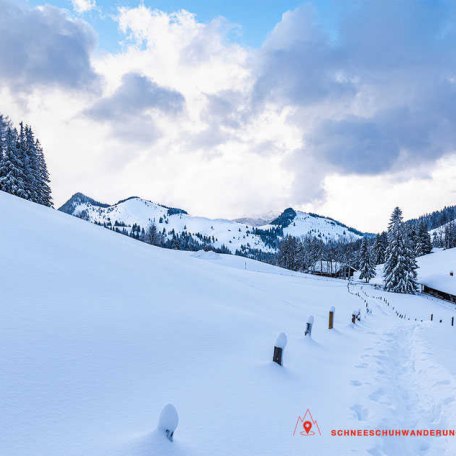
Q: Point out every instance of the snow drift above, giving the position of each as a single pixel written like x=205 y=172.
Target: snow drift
x=98 y=332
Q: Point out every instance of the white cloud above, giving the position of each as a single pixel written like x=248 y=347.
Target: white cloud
x=83 y=6
x=189 y=118
x=44 y=47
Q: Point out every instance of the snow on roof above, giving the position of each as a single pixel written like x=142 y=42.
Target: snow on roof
x=330 y=267
x=206 y=255
x=434 y=270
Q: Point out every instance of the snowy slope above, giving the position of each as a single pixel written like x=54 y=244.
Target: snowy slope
x=326 y=229
x=98 y=332
x=231 y=234
x=439 y=232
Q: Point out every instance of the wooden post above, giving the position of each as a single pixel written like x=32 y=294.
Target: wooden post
x=331 y=317
x=309 y=326
x=354 y=317
x=452 y=321
x=277 y=356
x=280 y=344
x=432 y=317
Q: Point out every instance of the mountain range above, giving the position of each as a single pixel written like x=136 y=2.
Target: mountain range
x=242 y=236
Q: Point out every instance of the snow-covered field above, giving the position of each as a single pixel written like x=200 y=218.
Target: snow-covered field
x=98 y=332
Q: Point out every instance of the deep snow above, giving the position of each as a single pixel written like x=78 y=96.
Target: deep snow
x=99 y=332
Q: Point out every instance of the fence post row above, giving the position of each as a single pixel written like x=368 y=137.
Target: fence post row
x=309 y=325
x=331 y=317
x=280 y=344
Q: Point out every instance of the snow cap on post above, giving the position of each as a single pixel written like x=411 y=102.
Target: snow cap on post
x=281 y=341
x=168 y=421
x=333 y=309
x=310 y=320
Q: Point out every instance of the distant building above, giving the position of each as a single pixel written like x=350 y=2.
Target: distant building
x=438 y=293
x=333 y=269
x=436 y=276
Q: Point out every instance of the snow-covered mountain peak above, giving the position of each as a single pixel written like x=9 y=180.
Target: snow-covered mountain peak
x=77 y=200
x=192 y=233
x=299 y=223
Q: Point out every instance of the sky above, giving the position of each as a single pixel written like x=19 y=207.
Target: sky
x=240 y=108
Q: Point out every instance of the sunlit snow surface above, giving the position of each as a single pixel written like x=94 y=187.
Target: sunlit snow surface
x=99 y=332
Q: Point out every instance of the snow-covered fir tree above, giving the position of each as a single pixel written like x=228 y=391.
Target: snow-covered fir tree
x=449 y=236
x=423 y=241
x=366 y=262
x=400 y=266
x=44 y=189
x=153 y=236
x=23 y=169
x=289 y=253
x=381 y=242
x=12 y=175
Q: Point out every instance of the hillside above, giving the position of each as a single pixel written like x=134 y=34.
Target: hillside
x=99 y=332
x=228 y=235
x=436 y=219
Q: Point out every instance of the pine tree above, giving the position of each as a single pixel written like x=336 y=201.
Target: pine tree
x=3 y=129
x=437 y=240
x=153 y=236
x=381 y=242
x=424 y=244
x=449 y=235
x=12 y=177
x=23 y=159
x=400 y=266
x=413 y=238
x=289 y=253
x=31 y=165
x=45 y=193
x=366 y=263
x=23 y=170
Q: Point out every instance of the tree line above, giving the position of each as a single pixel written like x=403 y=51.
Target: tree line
x=396 y=248
x=166 y=239
x=23 y=169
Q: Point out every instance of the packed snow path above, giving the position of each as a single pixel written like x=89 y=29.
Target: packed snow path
x=402 y=385
x=98 y=332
